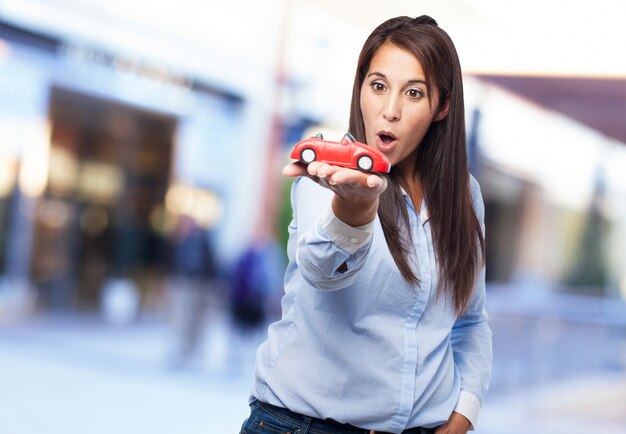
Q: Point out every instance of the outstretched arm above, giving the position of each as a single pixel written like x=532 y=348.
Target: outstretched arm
x=331 y=245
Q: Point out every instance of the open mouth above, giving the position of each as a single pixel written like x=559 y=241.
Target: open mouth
x=386 y=141
x=386 y=138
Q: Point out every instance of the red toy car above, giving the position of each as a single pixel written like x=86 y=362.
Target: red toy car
x=347 y=153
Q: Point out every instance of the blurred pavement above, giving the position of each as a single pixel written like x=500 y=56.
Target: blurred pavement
x=554 y=372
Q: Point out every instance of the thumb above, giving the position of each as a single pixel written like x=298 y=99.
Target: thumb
x=294 y=169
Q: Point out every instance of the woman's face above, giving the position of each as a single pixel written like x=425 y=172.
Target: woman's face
x=397 y=111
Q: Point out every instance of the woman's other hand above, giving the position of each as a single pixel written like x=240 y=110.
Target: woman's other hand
x=457 y=424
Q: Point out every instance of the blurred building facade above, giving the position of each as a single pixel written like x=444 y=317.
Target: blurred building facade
x=554 y=194
x=108 y=134
x=116 y=118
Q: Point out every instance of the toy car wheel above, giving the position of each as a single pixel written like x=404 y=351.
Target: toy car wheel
x=365 y=162
x=307 y=155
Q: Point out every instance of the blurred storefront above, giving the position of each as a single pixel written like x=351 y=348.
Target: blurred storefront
x=100 y=152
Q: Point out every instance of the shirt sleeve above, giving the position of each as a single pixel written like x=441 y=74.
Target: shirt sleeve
x=329 y=253
x=349 y=238
x=469 y=406
x=471 y=340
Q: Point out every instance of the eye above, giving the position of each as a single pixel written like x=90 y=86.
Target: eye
x=378 y=86
x=414 y=93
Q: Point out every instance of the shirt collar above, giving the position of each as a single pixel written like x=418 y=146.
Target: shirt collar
x=423 y=213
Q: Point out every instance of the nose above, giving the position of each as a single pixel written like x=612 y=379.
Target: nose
x=391 y=110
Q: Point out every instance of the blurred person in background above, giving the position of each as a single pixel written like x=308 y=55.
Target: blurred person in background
x=191 y=289
x=255 y=287
x=383 y=319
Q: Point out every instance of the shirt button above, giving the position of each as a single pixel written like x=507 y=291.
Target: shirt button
x=353 y=240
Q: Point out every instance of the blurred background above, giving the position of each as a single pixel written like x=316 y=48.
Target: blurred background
x=143 y=216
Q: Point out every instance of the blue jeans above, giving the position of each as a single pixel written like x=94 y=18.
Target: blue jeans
x=268 y=419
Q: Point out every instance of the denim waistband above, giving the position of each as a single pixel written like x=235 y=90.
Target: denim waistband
x=326 y=424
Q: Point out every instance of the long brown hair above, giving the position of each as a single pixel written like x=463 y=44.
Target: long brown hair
x=441 y=161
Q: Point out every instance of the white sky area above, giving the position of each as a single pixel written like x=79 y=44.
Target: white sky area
x=547 y=37
x=532 y=37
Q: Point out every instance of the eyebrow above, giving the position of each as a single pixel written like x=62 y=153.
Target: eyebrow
x=381 y=75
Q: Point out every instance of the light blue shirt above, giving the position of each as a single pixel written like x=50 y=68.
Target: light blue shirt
x=364 y=346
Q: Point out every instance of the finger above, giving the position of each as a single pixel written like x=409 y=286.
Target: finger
x=358 y=178
x=314 y=168
x=345 y=176
x=377 y=182
x=294 y=169
x=327 y=170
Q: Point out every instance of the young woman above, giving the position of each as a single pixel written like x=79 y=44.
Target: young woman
x=384 y=326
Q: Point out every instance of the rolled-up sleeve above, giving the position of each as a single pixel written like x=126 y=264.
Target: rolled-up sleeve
x=349 y=238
